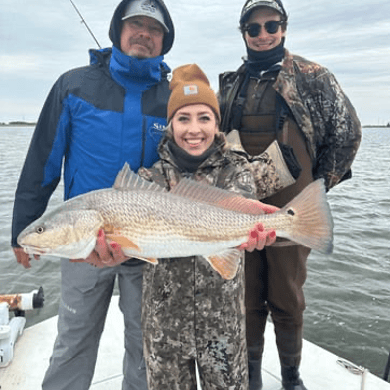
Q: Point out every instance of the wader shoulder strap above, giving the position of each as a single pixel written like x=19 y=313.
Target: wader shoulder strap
x=228 y=95
x=237 y=107
x=282 y=112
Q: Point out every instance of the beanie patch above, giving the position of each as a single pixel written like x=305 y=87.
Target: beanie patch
x=190 y=90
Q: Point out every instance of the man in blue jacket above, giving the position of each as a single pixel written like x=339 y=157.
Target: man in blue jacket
x=94 y=120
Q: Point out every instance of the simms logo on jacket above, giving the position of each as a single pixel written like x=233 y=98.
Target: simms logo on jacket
x=158 y=127
x=156 y=131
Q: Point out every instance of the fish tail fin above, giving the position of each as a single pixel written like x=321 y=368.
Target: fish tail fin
x=312 y=219
x=225 y=263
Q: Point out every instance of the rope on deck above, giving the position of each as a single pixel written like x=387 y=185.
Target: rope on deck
x=355 y=369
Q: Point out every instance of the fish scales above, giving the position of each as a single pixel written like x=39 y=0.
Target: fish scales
x=160 y=216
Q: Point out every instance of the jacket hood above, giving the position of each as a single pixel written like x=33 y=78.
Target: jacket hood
x=101 y=56
x=116 y=26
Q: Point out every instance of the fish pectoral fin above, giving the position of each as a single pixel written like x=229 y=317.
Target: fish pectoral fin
x=226 y=263
x=123 y=241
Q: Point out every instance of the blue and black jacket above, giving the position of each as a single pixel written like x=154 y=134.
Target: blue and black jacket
x=94 y=120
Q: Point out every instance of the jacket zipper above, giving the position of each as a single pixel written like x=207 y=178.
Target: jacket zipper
x=143 y=141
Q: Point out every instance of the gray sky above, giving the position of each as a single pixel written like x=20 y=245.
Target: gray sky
x=41 y=39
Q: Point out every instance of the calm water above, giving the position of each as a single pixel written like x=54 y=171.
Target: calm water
x=347 y=293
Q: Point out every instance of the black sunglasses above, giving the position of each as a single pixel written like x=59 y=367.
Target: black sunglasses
x=272 y=26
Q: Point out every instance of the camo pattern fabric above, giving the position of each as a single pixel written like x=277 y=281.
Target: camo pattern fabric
x=230 y=168
x=321 y=109
x=266 y=172
x=189 y=312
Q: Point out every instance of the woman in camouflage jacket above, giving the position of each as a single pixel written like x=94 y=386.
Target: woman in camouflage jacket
x=190 y=313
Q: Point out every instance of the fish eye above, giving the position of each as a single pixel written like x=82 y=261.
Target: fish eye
x=290 y=212
x=40 y=229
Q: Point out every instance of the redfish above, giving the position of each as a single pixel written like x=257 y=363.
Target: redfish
x=192 y=219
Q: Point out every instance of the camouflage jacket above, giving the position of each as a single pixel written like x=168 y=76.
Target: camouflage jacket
x=230 y=168
x=321 y=109
x=213 y=171
x=189 y=311
x=226 y=168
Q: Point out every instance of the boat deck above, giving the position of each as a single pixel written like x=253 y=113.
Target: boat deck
x=319 y=367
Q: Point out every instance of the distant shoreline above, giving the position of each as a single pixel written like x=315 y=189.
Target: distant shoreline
x=17 y=124
x=377 y=126
x=29 y=124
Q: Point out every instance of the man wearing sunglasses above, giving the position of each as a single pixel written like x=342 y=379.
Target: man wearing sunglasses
x=278 y=95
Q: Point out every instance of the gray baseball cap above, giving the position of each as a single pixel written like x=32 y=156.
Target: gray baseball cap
x=145 y=8
x=250 y=5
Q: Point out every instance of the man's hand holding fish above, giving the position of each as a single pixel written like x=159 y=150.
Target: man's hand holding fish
x=105 y=254
x=23 y=258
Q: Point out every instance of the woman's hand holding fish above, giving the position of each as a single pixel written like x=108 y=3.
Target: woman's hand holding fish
x=105 y=254
x=258 y=238
x=23 y=258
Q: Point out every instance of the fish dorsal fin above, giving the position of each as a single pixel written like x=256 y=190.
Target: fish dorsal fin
x=129 y=180
x=200 y=192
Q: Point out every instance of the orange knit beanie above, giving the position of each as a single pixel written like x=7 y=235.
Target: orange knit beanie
x=190 y=85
